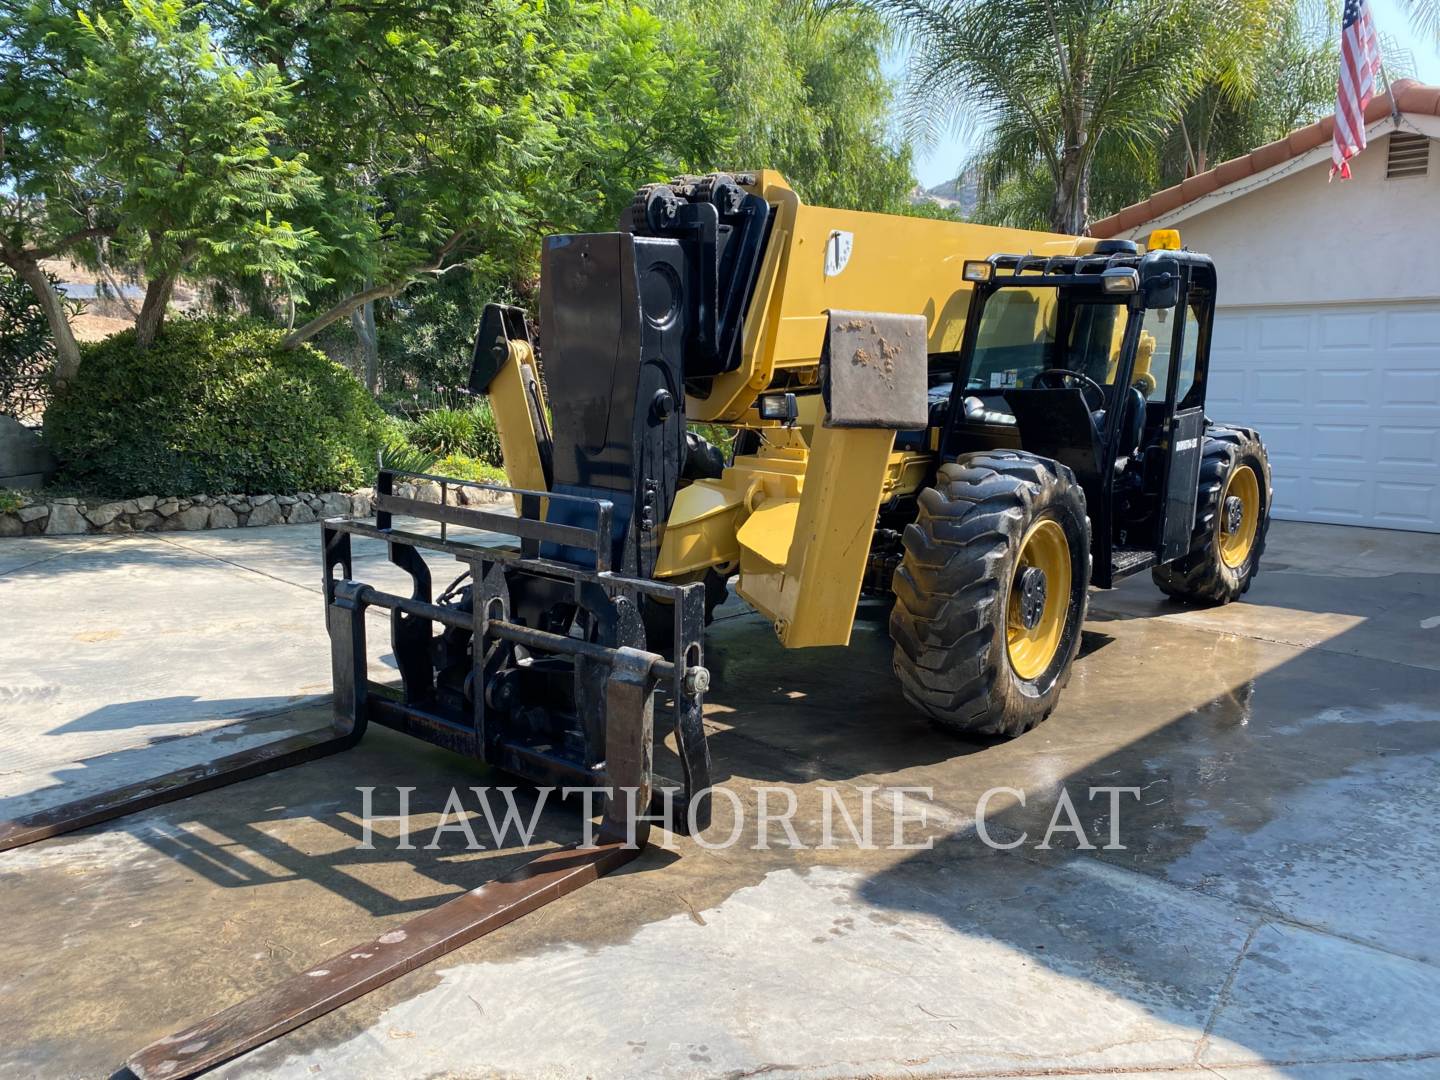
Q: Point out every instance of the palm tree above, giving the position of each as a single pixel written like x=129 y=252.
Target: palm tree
x=1057 y=82
x=1425 y=15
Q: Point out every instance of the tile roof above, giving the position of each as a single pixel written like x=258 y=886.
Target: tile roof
x=1411 y=97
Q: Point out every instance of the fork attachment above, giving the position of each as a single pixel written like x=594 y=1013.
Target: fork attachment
x=512 y=666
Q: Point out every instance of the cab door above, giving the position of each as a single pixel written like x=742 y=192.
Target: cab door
x=1183 y=438
x=1187 y=436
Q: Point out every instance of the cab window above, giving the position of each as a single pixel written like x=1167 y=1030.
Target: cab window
x=1153 y=352
x=1194 y=328
x=1014 y=339
x=1023 y=331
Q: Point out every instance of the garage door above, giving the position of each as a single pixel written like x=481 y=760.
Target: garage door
x=1348 y=401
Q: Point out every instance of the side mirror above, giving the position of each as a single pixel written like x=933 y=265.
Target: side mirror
x=1160 y=282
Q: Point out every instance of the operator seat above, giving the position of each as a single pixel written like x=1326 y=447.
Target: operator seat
x=1144 y=378
x=1133 y=401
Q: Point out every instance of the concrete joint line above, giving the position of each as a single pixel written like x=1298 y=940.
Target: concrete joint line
x=237 y=565
x=1222 y=999
x=99 y=541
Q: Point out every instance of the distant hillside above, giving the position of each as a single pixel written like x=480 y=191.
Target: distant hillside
x=959 y=194
x=107 y=307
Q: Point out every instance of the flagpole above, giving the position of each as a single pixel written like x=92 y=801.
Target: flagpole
x=1394 y=105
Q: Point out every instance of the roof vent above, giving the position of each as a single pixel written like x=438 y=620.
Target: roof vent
x=1409 y=155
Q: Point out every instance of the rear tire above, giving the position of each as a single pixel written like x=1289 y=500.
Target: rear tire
x=1225 y=551
x=962 y=652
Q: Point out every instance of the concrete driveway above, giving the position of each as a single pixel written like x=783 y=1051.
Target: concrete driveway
x=1272 y=911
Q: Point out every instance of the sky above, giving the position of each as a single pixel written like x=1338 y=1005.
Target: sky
x=944 y=161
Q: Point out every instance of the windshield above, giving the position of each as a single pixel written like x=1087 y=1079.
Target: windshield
x=1024 y=330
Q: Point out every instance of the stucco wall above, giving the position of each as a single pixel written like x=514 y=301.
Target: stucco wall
x=1301 y=240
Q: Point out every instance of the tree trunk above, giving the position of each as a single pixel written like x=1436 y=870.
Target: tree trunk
x=1071 y=204
x=351 y=303
x=363 y=320
x=152 y=311
x=67 y=351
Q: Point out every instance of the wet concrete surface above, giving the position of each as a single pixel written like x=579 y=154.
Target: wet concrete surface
x=1272 y=911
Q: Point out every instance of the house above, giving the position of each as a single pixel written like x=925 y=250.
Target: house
x=1327 y=327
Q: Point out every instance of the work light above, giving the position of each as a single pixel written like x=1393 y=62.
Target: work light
x=1120 y=279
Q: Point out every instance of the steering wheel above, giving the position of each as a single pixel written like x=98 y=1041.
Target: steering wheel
x=1065 y=379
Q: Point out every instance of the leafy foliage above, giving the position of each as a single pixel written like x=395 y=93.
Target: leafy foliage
x=329 y=157
x=398 y=452
x=27 y=350
x=213 y=406
x=1289 y=82
x=802 y=89
x=1053 y=83
x=464 y=467
x=1425 y=17
x=196 y=142
x=454 y=134
x=446 y=431
x=136 y=130
x=426 y=336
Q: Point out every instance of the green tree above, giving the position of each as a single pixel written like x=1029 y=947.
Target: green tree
x=801 y=86
x=426 y=123
x=452 y=136
x=1052 y=82
x=1292 y=83
x=132 y=126
x=193 y=143
x=50 y=204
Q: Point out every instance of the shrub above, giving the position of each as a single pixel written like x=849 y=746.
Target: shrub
x=444 y=431
x=468 y=468
x=213 y=406
x=486 y=446
x=427 y=334
x=398 y=452
x=469 y=432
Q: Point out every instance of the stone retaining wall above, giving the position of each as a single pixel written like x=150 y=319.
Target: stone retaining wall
x=38 y=516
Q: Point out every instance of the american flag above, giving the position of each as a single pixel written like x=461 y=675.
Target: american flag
x=1359 y=67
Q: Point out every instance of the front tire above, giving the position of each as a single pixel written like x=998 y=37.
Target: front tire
x=1232 y=518
x=991 y=593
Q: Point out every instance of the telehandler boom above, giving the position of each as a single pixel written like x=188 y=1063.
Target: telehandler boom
x=980 y=423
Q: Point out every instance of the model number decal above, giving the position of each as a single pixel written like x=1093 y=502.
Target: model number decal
x=1187 y=444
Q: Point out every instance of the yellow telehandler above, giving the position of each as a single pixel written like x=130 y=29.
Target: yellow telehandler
x=984 y=421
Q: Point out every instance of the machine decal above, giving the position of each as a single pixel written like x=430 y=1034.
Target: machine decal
x=837 y=251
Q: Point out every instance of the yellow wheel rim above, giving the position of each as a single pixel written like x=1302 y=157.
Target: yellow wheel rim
x=1032 y=648
x=1239 y=520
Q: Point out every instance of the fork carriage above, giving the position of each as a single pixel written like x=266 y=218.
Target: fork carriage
x=540 y=666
